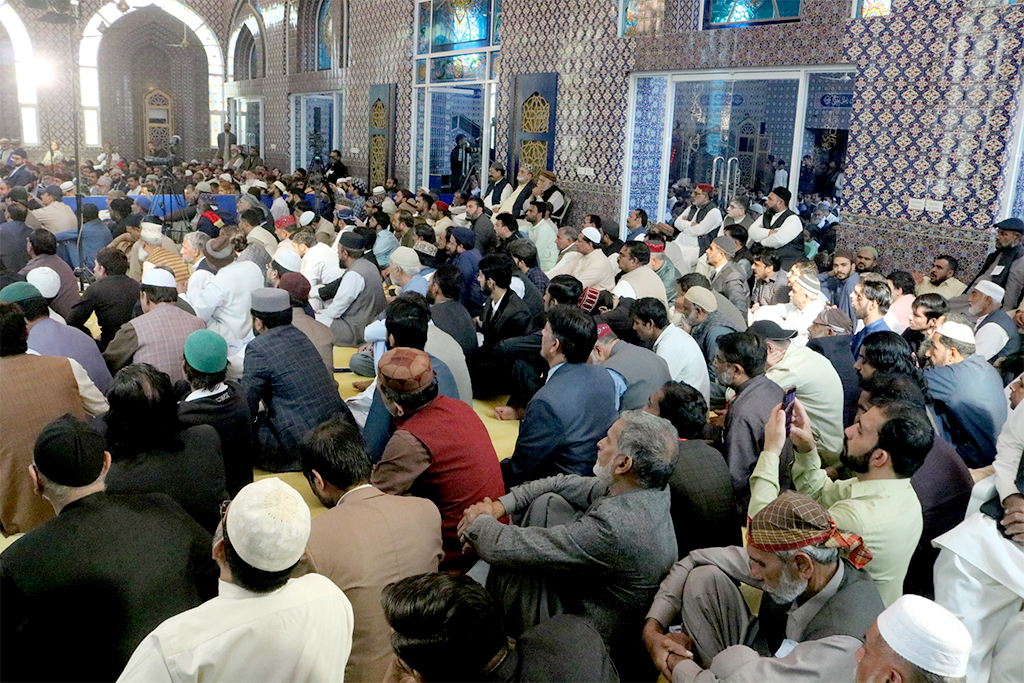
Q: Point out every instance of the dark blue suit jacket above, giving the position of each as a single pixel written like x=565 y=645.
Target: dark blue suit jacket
x=562 y=425
x=283 y=369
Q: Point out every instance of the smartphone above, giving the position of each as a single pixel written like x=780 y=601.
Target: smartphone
x=787 y=405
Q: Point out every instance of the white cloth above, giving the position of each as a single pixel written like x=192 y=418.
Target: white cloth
x=624 y=289
x=685 y=361
x=979 y=574
x=784 y=234
x=320 y=266
x=197 y=282
x=689 y=231
x=781 y=178
x=352 y=284
x=989 y=339
x=543 y=236
x=789 y=317
x=301 y=632
x=225 y=303
x=279 y=208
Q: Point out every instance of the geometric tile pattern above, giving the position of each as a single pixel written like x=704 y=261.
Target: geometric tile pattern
x=648 y=142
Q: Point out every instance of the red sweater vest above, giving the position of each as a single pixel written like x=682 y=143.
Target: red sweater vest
x=463 y=467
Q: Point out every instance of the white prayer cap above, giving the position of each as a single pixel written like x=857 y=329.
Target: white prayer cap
x=956 y=331
x=188 y=173
x=158 y=277
x=279 y=185
x=592 y=235
x=287 y=257
x=379 y=189
x=226 y=177
x=306 y=217
x=991 y=289
x=151 y=233
x=268 y=525
x=404 y=257
x=67 y=186
x=260 y=184
x=45 y=280
x=926 y=634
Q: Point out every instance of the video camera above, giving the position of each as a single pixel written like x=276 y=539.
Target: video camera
x=172 y=154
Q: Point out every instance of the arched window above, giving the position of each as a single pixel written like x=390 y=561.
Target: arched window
x=324 y=36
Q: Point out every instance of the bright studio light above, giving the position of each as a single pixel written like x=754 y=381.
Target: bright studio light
x=42 y=71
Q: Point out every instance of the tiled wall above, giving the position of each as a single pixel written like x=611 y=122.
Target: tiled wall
x=936 y=89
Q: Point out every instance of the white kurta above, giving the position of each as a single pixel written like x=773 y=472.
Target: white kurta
x=979 y=575
x=225 y=304
x=784 y=234
x=301 y=632
x=789 y=317
x=685 y=361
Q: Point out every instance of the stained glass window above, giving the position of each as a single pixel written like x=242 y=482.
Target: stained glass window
x=324 y=36
x=723 y=13
x=497 y=23
x=630 y=16
x=423 y=30
x=458 y=68
x=461 y=24
x=875 y=8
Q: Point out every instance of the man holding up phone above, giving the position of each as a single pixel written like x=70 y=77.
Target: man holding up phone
x=884 y=448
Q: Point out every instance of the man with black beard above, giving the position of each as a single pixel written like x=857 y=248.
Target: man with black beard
x=780 y=228
x=335 y=169
x=1004 y=266
x=884 y=448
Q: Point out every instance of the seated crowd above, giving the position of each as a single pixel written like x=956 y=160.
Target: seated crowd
x=675 y=383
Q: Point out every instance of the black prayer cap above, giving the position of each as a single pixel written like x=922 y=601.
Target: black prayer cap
x=69 y=452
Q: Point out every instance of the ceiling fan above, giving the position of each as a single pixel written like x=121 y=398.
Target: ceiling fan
x=184 y=44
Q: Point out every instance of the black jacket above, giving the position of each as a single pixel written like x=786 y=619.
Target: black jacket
x=95 y=581
x=112 y=299
x=511 y=320
x=228 y=413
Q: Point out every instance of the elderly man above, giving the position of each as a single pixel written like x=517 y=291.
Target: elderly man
x=706 y=324
x=425 y=456
x=101 y=556
x=263 y=624
x=995 y=334
x=870 y=299
x=780 y=228
x=366 y=540
x=817 y=384
x=817 y=606
x=885 y=447
x=153 y=253
x=224 y=303
x=915 y=639
x=522 y=193
x=979 y=575
x=727 y=278
x=55 y=216
x=1004 y=266
x=942 y=279
x=157 y=336
x=282 y=371
x=966 y=390
x=193 y=247
x=360 y=293
x=320 y=263
x=798 y=315
x=593 y=546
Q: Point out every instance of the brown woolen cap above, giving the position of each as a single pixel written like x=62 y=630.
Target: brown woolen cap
x=405 y=370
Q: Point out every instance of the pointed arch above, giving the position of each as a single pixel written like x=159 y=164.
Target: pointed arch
x=88 y=61
x=247 y=18
x=24 y=71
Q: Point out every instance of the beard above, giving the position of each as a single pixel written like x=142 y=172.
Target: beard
x=787 y=590
x=603 y=473
x=975 y=310
x=486 y=290
x=725 y=379
x=855 y=463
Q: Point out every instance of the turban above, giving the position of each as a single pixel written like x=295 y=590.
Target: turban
x=793 y=521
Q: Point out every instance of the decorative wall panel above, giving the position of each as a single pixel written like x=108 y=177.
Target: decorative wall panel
x=382 y=133
x=650 y=113
x=533 y=121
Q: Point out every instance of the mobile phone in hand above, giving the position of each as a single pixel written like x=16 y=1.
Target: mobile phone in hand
x=787 y=405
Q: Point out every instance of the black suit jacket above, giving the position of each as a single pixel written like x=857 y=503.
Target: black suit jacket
x=191 y=472
x=453 y=318
x=703 y=501
x=839 y=352
x=113 y=299
x=512 y=319
x=228 y=413
x=95 y=581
